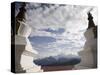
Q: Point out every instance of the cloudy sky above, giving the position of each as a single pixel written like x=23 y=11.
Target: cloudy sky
x=57 y=29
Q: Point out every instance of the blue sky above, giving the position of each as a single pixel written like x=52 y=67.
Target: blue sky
x=58 y=31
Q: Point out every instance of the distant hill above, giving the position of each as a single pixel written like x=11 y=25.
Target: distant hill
x=58 y=60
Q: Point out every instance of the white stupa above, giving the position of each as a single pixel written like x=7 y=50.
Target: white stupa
x=89 y=54
x=25 y=53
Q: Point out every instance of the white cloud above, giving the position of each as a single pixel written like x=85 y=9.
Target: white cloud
x=70 y=17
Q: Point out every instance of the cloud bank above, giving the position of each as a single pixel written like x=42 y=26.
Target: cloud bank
x=57 y=28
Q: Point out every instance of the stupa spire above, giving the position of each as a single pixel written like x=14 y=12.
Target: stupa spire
x=20 y=16
x=91 y=22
